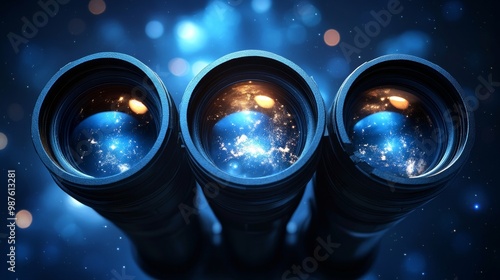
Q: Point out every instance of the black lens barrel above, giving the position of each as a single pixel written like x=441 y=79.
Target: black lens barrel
x=143 y=200
x=250 y=132
x=356 y=201
x=254 y=211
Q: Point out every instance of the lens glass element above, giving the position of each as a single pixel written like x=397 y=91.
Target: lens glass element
x=388 y=127
x=111 y=131
x=252 y=130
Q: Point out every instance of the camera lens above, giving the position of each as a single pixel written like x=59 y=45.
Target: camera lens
x=398 y=132
x=252 y=122
x=107 y=130
x=110 y=133
x=386 y=125
x=253 y=131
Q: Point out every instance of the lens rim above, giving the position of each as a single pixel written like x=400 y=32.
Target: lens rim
x=429 y=78
x=45 y=115
x=314 y=117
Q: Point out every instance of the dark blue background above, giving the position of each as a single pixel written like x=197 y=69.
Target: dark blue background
x=456 y=236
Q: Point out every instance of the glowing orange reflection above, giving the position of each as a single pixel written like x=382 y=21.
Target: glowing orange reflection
x=264 y=101
x=399 y=102
x=137 y=106
x=24 y=219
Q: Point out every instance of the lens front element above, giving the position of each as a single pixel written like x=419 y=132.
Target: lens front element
x=252 y=131
x=386 y=126
x=110 y=131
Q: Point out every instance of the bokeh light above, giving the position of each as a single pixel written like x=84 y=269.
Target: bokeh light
x=309 y=14
x=154 y=29
x=178 y=66
x=261 y=6
x=190 y=36
x=97 y=7
x=112 y=31
x=331 y=37
x=3 y=141
x=412 y=42
x=24 y=219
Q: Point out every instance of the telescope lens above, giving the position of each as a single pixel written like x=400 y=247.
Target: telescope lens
x=110 y=130
x=253 y=132
x=386 y=125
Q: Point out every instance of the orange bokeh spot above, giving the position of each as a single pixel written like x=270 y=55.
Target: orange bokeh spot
x=331 y=37
x=97 y=7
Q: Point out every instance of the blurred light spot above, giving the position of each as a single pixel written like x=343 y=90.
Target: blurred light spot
x=154 y=29
x=3 y=141
x=453 y=10
x=190 y=37
x=198 y=66
x=261 y=6
x=216 y=228
x=309 y=15
x=476 y=206
x=291 y=227
x=112 y=31
x=15 y=112
x=178 y=66
x=97 y=7
x=331 y=37
x=24 y=219
x=415 y=263
x=338 y=68
x=76 y=26
x=296 y=34
x=410 y=42
x=137 y=106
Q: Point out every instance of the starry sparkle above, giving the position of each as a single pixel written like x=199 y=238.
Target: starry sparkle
x=254 y=134
x=389 y=129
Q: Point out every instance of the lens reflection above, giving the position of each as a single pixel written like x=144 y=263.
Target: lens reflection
x=387 y=129
x=111 y=132
x=252 y=133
